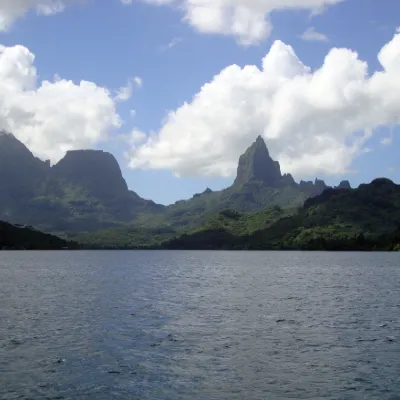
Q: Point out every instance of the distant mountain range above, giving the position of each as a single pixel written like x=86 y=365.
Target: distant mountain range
x=85 y=197
x=366 y=218
x=86 y=192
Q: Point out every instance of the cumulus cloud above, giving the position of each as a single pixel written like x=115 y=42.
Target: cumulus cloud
x=247 y=20
x=137 y=136
x=313 y=121
x=11 y=10
x=314 y=36
x=51 y=117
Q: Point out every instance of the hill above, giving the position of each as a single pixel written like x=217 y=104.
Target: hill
x=26 y=238
x=259 y=183
x=230 y=221
x=365 y=218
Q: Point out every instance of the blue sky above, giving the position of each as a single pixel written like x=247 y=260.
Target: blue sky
x=107 y=43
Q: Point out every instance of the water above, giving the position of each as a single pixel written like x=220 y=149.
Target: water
x=199 y=325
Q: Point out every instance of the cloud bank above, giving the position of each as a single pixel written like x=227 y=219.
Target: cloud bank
x=313 y=121
x=247 y=20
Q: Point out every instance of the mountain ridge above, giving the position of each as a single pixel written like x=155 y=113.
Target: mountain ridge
x=86 y=192
x=365 y=218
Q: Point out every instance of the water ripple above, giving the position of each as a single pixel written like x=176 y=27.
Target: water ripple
x=199 y=325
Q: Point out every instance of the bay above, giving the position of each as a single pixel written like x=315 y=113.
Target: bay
x=199 y=325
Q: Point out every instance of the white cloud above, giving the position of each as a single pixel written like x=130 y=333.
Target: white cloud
x=386 y=141
x=312 y=35
x=174 y=42
x=137 y=136
x=138 y=81
x=313 y=121
x=11 y=10
x=247 y=20
x=124 y=93
x=51 y=117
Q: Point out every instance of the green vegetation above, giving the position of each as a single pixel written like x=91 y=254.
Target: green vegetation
x=84 y=195
x=26 y=238
x=234 y=223
x=85 y=198
x=366 y=218
x=84 y=192
x=125 y=238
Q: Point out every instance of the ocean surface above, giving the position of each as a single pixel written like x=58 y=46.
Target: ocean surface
x=199 y=325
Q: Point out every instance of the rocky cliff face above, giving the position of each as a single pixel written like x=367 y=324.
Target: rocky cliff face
x=344 y=185
x=21 y=174
x=95 y=171
x=83 y=191
x=257 y=165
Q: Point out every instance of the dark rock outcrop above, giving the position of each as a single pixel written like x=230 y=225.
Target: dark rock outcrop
x=344 y=185
x=288 y=180
x=21 y=173
x=257 y=165
x=311 y=188
x=96 y=171
x=21 y=177
x=197 y=195
x=84 y=191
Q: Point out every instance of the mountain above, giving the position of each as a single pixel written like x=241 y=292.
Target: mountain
x=21 y=174
x=259 y=186
x=365 y=218
x=259 y=183
x=344 y=185
x=89 y=186
x=257 y=165
x=84 y=191
x=95 y=171
x=26 y=238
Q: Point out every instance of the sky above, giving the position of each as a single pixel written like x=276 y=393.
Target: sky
x=178 y=89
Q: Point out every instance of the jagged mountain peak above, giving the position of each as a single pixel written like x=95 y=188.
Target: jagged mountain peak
x=260 y=141
x=344 y=185
x=257 y=165
x=9 y=142
x=21 y=173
